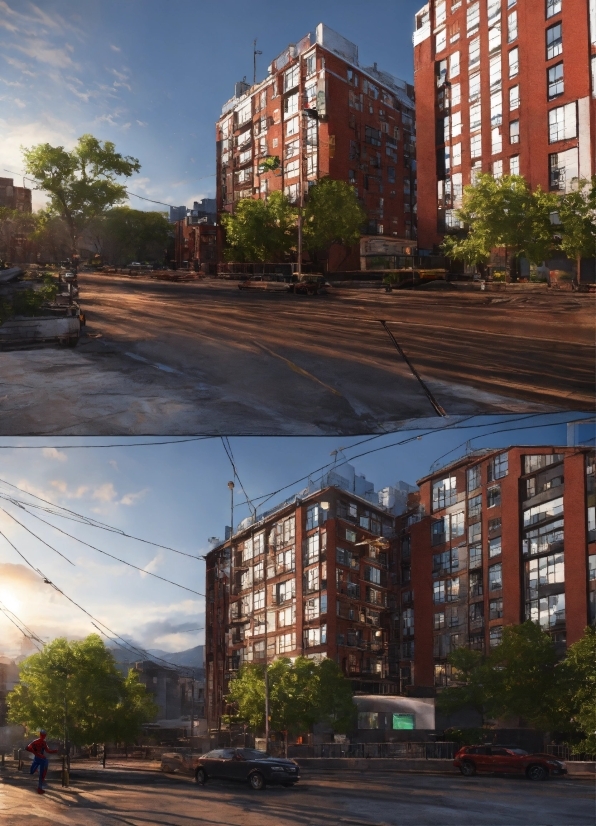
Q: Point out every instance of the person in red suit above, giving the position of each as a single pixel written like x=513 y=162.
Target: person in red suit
x=39 y=748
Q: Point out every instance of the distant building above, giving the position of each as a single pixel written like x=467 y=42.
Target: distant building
x=14 y=197
x=172 y=689
x=177 y=214
x=319 y=113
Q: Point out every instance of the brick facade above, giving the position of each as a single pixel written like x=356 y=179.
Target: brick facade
x=488 y=76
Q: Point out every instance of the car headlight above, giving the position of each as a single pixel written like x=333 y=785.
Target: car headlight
x=556 y=763
x=276 y=768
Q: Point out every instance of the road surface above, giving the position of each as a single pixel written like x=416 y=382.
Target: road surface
x=118 y=795
x=205 y=357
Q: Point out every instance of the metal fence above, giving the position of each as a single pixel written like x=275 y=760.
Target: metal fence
x=565 y=753
x=420 y=751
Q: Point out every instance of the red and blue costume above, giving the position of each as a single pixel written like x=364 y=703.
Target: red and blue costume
x=40 y=762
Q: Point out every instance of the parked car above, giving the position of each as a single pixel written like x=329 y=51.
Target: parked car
x=176 y=761
x=310 y=285
x=258 y=768
x=507 y=760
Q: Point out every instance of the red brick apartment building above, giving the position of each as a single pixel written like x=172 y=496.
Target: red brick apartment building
x=496 y=538
x=14 y=197
x=502 y=86
x=310 y=578
x=321 y=113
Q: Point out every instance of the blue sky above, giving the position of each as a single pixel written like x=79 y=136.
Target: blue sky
x=152 y=75
x=177 y=495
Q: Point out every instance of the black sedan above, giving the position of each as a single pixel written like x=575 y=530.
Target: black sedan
x=256 y=767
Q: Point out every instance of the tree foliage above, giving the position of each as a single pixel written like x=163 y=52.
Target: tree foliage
x=503 y=212
x=261 y=230
x=577 y=213
x=524 y=677
x=123 y=234
x=332 y=214
x=81 y=677
x=300 y=694
x=81 y=184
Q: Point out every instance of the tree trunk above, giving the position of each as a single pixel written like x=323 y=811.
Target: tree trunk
x=105 y=749
x=578 y=274
x=513 y=268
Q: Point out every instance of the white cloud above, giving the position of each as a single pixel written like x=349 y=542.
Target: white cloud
x=52 y=453
x=44 y=52
x=20 y=103
x=142 y=123
x=133 y=498
x=115 y=48
x=19 y=64
x=114 y=464
x=105 y=492
x=126 y=126
x=61 y=486
x=152 y=565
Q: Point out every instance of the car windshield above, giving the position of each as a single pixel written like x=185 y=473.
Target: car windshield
x=253 y=754
x=520 y=752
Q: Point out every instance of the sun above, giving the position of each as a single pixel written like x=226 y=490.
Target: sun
x=10 y=601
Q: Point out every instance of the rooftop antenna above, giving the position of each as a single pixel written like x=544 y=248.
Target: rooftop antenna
x=255 y=52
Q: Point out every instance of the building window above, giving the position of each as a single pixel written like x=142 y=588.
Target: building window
x=311 y=64
x=514 y=131
x=285 y=643
x=495 y=609
x=495 y=635
x=553 y=7
x=292 y=127
x=404 y=722
x=494 y=37
x=439 y=618
x=453 y=65
x=407 y=617
x=474 y=477
x=259 y=600
x=474 y=54
x=455 y=94
x=496 y=140
x=513 y=98
x=476 y=588
x=291 y=104
x=544 y=570
x=456 y=160
x=495 y=72
x=441 y=40
x=475 y=532
x=476 y=146
x=439 y=591
x=496 y=109
x=497 y=170
x=452 y=589
x=514 y=165
x=493 y=496
x=547 y=611
x=591 y=567
x=473 y=18
x=544 y=538
x=440 y=675
x=285 y=590
x=368 y=720
x=556 y=85
x=514 y=62
x=444 y=493
x=512 y=26
x=476 y=613
x=312 y=548
x=495 y=577
x=546 y=510
x=475 y=506
x=562 y=123
x=494 y=524
x=291 y=78
x=494 y=546
x=554 y=41
x=474 y=92
x=455 y=124
x=475 y=555
x=475 y=117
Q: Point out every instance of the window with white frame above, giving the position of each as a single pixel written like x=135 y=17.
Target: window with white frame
x=513 y=62
x=440 y=12
x=493 y=9
x=292 y=192
x=455 y=94
x=514 y=165
x=474 y=91
x=494 y=72
x=292 y=127
x=554 y=41
x=475 y=117
x=497 y=170
x=514 y=131
x=547 y=611
x=475 y=532
x=562 y=123
x=475 y=171
x=494 y=546
x=311 y=164
x=493 y=496
x=292 y=169
x=553 y=7
x=259 y=599
x=495 y=635
x=495 y=577
x=474 y=477
x=496 y=109
x=457 y=191
x=556 y=83
x=496 y=140
x=315 y=636
x=292 y=77
x=441 y=40
x=311 y=609
x=456 y=150
x=476 y=146
x=512 y=26
x=244 y=112
x=311 y=64
x=494 y=37
x=312 y=579
x=455 y=124
x=453 y=65
x=473 y=18
x=474 y=54
x=513 y=98
x=285 y=590
x=444 y=492
x=286 y=643
x=292 y=148
x=564 y=168
x=291 y=104
x=286 y=617
x=312 y=548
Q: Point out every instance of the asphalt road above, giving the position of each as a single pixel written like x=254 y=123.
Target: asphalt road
x=144 y=798
x=205 y=357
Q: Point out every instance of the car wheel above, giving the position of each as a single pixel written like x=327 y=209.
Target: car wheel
x=257 y=781
x=467 y=768
x=200 y=777
x=537 y=773
x=73 y=341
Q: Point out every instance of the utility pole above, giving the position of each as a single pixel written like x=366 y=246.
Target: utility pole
x=301 y=143
x=231 y=487
x=192 y=707
x=255 y=52
x=266 y=689
x=65 y=778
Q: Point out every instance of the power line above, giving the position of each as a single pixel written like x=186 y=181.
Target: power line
x=95 y=447
x=228 y=449
x=18 y=623
x=123 y=561
x=151 y=201
x=36 y=536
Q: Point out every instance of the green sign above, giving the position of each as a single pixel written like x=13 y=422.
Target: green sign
x=404 y=722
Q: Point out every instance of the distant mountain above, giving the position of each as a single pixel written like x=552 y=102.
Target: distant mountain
x=191 y=657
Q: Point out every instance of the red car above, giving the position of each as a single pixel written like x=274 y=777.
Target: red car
x=507 y=760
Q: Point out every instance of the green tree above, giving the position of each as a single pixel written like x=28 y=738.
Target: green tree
x=124 y=234
x=577 y=213
x=81 y=184
x=14 y=222
x=301 y=693
x=79 y=680
x=332 y=215
x=503 y=213
x=260 y=230
x=524 y=677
